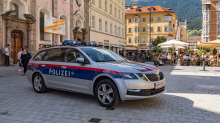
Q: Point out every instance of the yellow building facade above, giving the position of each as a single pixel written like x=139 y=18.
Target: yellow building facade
x=107 y=23
x=138 y=26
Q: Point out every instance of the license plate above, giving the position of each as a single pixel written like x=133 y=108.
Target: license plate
x=159 y=85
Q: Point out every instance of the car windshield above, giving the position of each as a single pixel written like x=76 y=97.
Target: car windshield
x=102 y=55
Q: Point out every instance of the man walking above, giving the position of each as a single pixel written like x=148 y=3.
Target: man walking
x=7 y=55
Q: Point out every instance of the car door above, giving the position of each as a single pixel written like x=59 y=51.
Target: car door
x=79 y=75
x=52 y=68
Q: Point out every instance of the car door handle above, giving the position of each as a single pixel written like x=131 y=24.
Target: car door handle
x=64 y=67
x=43 y=65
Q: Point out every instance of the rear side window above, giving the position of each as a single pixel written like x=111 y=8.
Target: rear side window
x=40 y=56
x=56 y=55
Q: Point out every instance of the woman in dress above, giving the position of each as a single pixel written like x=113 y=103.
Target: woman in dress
x=25 y=56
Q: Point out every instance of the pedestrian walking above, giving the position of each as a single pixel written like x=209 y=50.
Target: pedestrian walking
x=19 y=56
x=6 y=52
x=25 y=56
x=28 y=51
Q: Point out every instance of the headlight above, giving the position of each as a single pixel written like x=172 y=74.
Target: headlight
x=129 y=76
x=142 y=76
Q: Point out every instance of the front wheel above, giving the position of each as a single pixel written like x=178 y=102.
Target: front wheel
x=38 y=83
x=106 y=93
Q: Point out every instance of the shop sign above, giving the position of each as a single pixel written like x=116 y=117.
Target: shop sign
x=106 y=41
x=53 y=25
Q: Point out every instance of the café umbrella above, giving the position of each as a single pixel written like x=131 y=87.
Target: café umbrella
x=173 y=43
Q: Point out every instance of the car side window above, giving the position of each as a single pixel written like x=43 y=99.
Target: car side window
x=40 y=56
x=56 y=55
x=72 y=55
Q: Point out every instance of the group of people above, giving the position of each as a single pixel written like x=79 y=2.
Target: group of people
x=136 y=55
x=165 y=57
x=23 y=56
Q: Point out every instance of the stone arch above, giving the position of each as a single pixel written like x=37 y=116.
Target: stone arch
x=67 y=27
x=22 y=7
x=78 y=15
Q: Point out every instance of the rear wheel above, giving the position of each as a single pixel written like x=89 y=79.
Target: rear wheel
x=38 y=83
x=106 y=93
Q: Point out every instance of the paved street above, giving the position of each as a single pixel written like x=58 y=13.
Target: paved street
x=191 y=96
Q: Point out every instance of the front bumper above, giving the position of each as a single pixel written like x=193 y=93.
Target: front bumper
x=146 y=89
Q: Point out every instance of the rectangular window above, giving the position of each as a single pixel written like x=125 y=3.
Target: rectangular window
x=218 y=28
x=136 y=29
x=207 y=17
x=41 y=26
x=144 y=29
x=106 y=27
x=143 y=19
x=93 y=1
x=136 y=40
x=168 y=18
x=100 y=24
x=158 y=19
x=106 y=6
x=207 y=28
x=115 y=30
x=151 y=29
x=129 y=20
x=111 y=9
x=111 y=28
x=218 y=16
x=151 y=40
x=181 y=29
x=100 y=3
x=136 y=19
x=181 y=35
x=143 y=40
x=168 y=28
x=129 y=40
x=129 y=29
x=93 y=22
x=158 y=29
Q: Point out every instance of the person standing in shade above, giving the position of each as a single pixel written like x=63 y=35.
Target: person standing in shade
x=19 y=56
x=7 y=55
x=25 y=56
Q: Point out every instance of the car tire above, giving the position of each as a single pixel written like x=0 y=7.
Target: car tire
x=38 y=84
x=106 y=93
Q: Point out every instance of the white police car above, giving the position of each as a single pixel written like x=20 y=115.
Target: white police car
x=95 y=71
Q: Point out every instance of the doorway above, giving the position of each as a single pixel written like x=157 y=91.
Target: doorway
x=16 y=43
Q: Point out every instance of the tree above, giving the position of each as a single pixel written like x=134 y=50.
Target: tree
x=157 y=50
x=194 y=33
x=214 y=52
x=158 y=40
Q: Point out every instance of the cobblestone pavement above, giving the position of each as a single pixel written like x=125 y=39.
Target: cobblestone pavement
x=191 y=96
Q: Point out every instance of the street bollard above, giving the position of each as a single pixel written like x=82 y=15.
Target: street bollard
x=203 y=64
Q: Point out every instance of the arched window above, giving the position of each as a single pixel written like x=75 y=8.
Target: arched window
x=41 y=26
x=14 y=7
x=79 y=24
x=66 y=36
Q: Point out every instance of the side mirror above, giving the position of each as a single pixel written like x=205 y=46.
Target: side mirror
x=80 y=60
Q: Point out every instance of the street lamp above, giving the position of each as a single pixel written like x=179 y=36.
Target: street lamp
x=150 y=28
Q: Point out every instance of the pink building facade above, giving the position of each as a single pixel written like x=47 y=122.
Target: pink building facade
x=22 y=23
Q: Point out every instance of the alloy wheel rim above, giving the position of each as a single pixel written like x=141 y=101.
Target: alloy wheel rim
x=105 y=93
x=37 y=83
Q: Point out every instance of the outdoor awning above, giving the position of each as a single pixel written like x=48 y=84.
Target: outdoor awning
x=130 y=48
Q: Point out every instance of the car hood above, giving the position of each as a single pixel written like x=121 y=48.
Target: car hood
x=127 y=66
